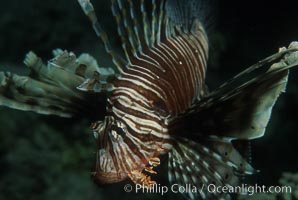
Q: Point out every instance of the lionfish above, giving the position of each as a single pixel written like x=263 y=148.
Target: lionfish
x=157 y=101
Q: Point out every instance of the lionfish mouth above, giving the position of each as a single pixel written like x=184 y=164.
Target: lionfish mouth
x=103 y=178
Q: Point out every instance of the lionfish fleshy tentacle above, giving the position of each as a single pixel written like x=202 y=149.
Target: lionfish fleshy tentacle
x=141 y=179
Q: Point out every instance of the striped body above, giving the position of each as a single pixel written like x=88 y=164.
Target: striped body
x=162 y=74
x=169 y=77
x=150 y=92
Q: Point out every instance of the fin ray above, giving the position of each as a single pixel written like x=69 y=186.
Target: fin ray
x=241 y=108
x=52 y=88
x=195 y=164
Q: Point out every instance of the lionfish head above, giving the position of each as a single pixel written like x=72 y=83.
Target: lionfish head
x=117 y=156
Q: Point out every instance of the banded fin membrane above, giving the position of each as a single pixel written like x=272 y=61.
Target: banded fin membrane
x=158 y=49
x=143 y=24
x=238 y=110
x=241 y=108
x=52 y=88
x=184 y=13
x=212 y=161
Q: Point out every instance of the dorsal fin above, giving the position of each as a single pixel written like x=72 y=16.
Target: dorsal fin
x=184 y=13
x=90 y=12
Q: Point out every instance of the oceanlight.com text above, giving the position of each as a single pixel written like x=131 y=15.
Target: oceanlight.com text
x=244 y=189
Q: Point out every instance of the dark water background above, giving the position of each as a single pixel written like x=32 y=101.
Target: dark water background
x=42 y=157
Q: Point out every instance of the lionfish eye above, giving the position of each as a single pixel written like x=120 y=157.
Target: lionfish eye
x=117 y=132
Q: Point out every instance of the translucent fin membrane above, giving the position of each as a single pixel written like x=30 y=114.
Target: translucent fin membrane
x=141 y=26
x=208 y=162
x=184 y=13
x=241 y=108
x=52 y=88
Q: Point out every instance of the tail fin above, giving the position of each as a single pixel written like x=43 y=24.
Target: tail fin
x=52 y=88
x=212 y=161
x=241 y=108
